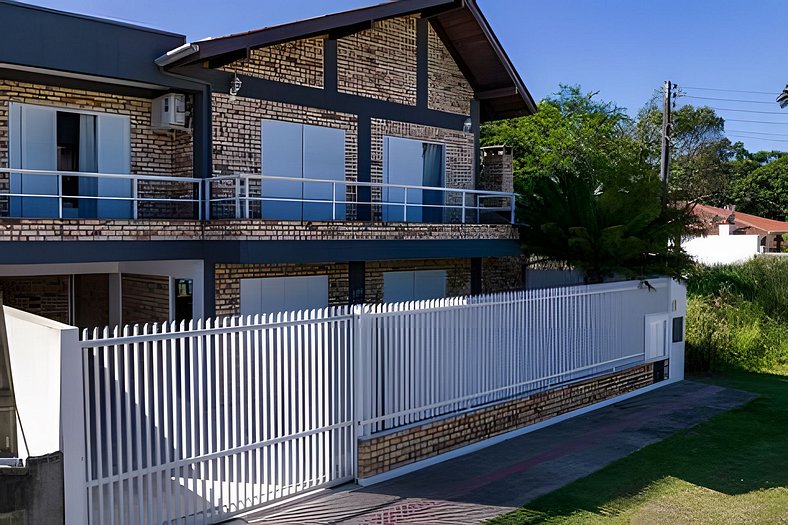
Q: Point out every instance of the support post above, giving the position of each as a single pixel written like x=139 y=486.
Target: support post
x=667 y=92
x=72 y=428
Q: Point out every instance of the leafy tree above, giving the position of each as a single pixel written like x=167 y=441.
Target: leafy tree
x=763 y=190
x=591 y=198
x=700 y=152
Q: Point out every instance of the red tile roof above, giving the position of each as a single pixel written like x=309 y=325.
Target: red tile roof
x=720 y=215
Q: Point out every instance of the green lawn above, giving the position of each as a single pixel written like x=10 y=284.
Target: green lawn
x=732 y=469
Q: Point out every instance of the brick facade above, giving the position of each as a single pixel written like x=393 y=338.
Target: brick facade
x=497 y=172
x=397 y=449
x=460 y=164
x=258 y=230
x=167 y=153
x=237 y=131
x=228 y=278
x=298 y=62
x=46 y=296
x=502 y=274
x=448 y=88
x=228 y=281
x=380 y=62
x=145 y=299
x=458 y=275
x=152 y=152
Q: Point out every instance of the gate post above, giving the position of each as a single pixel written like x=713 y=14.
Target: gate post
x=361 y=379
x=72 y=428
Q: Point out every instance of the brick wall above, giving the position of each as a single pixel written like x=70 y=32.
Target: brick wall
x=298 y=62
x=381 y=454
x=45 y=296
x=502 y=274
x=259 y=230
x=380 y=62
x=448 y=88
x=152 y=152
x=497 y=169
x=228 y=278
x=145 y=298
x=460 y=164
x=228 y=281
x=237 y=131
x=458 y=275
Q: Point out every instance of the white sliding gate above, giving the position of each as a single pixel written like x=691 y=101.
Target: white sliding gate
x=200 y=423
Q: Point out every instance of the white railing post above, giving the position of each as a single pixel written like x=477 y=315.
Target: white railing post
x=246 y=203
x=464 y=195
x=72 y=427
x=237 y=188
x=405 y=207
x=334 y=201
x=60 y=196
x=200 y=200
x=207 y=198
x=513 y=201
x=135 y=196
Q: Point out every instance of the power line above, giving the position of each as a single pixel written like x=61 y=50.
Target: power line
x=756 y=121
x=758 y=138
x=751 y=111
x=757 y=133
x=731 y=100
x=774 y=94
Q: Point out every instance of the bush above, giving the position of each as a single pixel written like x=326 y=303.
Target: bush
x=737 y=316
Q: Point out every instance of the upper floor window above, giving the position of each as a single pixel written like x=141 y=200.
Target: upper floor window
x=57 y=141
x=295 y=158
x=408 y=162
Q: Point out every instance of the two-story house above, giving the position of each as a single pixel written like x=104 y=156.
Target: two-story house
x=327 y=161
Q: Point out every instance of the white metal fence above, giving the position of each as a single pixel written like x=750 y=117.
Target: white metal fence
x=425 y=359
x=204 y=422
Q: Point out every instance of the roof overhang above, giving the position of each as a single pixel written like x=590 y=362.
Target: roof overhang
x=459 y=23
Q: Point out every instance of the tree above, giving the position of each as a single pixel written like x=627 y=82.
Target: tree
x=591 y=196
x=700 y=152
x=763 y=190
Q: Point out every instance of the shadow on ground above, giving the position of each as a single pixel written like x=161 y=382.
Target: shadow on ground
x=499 y=479
x=737 y=453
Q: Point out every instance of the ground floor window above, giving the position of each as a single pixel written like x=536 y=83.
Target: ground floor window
x=283 y=294
x=414 y=285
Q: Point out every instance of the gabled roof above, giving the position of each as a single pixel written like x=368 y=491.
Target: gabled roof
x=459 y=23
x=740 y=220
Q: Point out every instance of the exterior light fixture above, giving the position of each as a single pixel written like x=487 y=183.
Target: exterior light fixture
x=467 y=126
x=235 y=85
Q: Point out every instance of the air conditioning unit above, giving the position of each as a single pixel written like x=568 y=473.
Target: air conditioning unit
x=169 y=112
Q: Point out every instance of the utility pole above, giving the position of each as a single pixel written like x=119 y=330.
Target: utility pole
x=667 y=130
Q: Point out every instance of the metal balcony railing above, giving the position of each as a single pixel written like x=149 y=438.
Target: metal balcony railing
x=28 y=193
x=273 y=197
x=83 y=195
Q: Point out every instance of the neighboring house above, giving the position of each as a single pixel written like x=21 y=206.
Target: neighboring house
x=283 y=168
x=732 y=236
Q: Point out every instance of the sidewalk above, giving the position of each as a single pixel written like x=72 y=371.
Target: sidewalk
x=496 y=480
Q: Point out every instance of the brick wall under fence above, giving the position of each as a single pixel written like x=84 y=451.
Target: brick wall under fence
x=378 y=455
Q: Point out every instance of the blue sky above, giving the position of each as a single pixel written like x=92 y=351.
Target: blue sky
x=624 y=49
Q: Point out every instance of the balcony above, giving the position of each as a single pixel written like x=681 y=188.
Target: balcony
x=43 y=194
